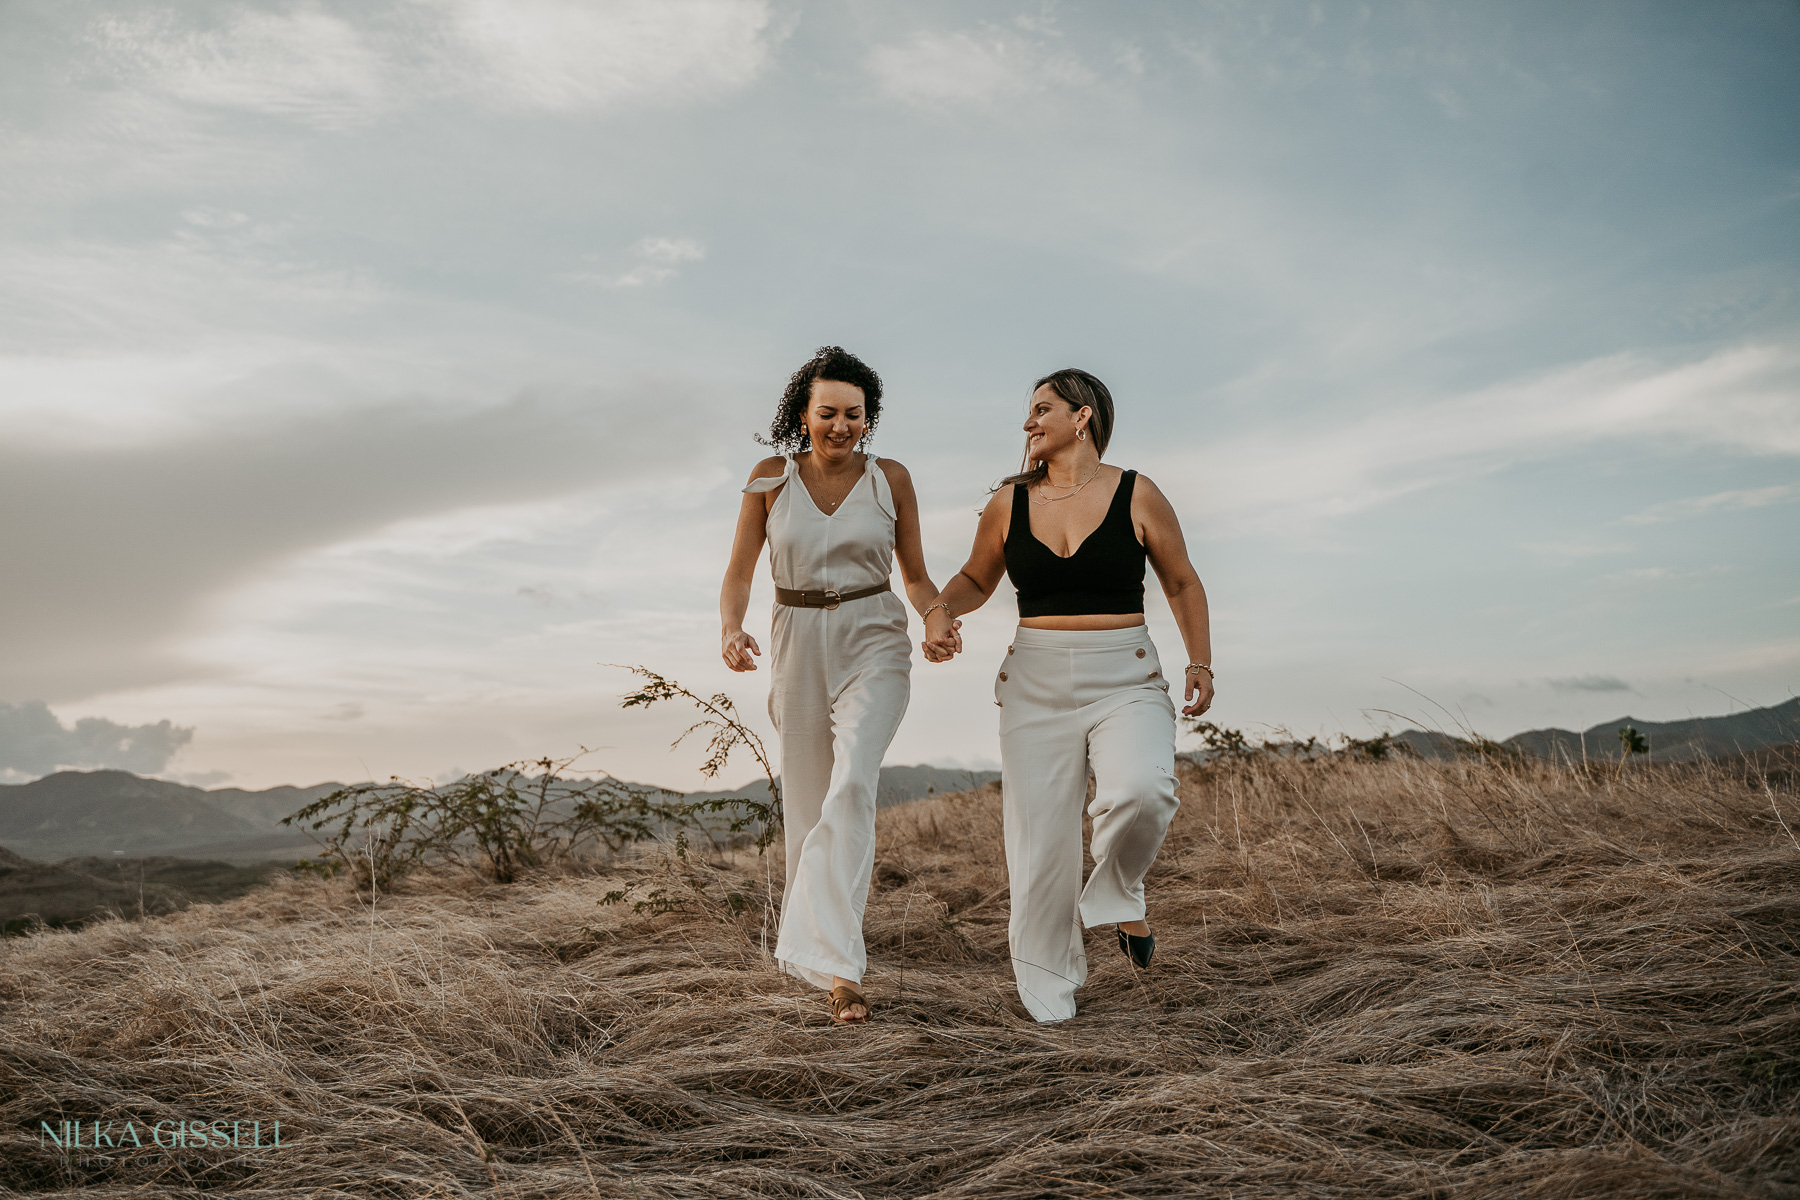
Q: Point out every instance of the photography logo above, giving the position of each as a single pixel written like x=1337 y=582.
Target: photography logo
x=127 y=1135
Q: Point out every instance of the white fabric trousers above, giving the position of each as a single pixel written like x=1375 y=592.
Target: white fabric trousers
x=1071 y=700
x=842 y=681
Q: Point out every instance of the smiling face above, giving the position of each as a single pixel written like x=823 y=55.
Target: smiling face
x=1052 y=424
x=835 y=418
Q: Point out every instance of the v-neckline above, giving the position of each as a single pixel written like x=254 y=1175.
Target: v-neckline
x=868 y=460
x=1104 y=518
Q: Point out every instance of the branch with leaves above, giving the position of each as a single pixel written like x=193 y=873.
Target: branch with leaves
x=498 y=823
x=726 y=732
x=503 y=822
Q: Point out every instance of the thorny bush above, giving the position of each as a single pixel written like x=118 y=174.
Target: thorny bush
x=499 y=823
x=533 y=813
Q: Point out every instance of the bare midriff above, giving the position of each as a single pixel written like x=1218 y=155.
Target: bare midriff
x=1084 y=621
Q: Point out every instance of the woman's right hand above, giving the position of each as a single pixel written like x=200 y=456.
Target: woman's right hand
x=736 y=647
x=943 y=639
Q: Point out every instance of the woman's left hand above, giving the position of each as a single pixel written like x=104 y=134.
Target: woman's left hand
x=1199 y=693
x=943 y=636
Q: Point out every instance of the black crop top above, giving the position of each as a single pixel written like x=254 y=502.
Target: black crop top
x=1104 y=575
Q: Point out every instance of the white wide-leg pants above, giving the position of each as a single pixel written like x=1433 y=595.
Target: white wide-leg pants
x=841 y=683
x=1071 y=700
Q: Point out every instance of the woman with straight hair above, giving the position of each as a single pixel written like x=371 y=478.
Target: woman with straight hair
x=834 y=518
x=1081 y=687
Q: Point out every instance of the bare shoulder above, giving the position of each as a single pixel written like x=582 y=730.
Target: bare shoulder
x=896 y=474
x=1151 y=511
x=997 y=516
x=768 y=468
x=1146 y=490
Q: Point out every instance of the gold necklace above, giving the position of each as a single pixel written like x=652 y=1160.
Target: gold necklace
x=832 y=506
x=1071 y=495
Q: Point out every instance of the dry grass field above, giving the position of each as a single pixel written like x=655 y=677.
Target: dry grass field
x=1391 y=979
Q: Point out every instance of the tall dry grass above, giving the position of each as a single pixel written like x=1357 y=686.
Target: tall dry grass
x=1387 y=979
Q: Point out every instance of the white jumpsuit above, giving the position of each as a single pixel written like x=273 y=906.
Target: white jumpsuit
x=841 y=680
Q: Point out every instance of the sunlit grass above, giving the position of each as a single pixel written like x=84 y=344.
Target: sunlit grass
x=1373 y=978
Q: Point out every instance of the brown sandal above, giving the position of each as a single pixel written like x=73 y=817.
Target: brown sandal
x=842 y=997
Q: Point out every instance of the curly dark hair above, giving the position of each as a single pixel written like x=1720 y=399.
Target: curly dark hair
x=787 y=433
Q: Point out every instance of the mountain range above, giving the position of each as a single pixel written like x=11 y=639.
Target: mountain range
x=107 y=813
x=1669 y=741
x=115 y=812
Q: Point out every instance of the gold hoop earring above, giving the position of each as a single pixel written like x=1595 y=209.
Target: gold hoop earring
x=1081 y=435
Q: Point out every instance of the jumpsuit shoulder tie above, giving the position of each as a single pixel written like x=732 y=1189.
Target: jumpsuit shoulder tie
x=756 y=486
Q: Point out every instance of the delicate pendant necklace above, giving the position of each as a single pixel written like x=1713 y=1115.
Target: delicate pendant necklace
x=1071 y=495
x=830 y=506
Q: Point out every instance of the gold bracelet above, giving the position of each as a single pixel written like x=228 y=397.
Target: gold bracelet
x=943 y=604
x=1202 y=667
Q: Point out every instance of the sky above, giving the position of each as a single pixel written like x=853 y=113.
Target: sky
x=373 y=375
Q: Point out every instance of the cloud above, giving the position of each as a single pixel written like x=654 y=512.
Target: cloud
x=1675 y=510
x=1575 y=549
x=308 y=65
x=670 y=250
x=1745 y=399
x=938 y=70
x=1663 y=574
x=569 y=55
x=659 y=259
x=197 y=779
x=112 y=552
x=35 y=742
x=109 y=342
x=304 y=64
x=1589 y=683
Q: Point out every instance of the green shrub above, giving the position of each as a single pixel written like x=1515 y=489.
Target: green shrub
x=499 y=823
x=527 y=814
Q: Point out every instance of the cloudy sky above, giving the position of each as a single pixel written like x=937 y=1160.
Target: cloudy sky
x=372 y=374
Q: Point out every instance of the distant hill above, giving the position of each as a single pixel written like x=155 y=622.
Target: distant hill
x=116 y=813
x=136 y=844
x=69 y=893
x=105 y=812
x=268 y=806
x=59 y=895
x=1670 y=741
x=108 y=813
x=899 y=785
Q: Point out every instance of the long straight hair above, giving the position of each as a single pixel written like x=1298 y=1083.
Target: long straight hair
x=1078 y=389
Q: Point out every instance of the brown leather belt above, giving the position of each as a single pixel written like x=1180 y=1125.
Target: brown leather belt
x=829 y=598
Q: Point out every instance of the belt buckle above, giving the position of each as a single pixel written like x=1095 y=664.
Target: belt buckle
x=831 y=594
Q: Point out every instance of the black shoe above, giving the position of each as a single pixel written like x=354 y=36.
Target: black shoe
x=1138 y=949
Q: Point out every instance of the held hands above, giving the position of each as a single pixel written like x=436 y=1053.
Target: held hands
x=736 y=647
x=943 y=639
x=1199 y=692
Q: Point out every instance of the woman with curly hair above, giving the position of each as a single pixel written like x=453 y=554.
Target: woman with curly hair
x=835 y=518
